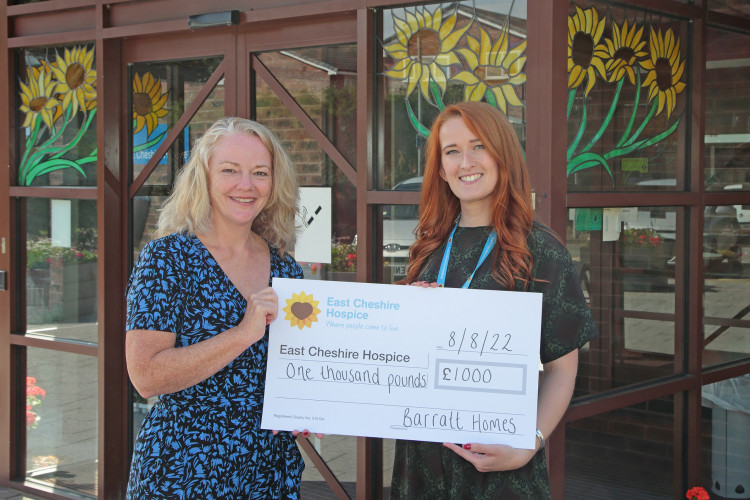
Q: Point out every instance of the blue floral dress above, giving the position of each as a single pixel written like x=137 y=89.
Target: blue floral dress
x=205 y=442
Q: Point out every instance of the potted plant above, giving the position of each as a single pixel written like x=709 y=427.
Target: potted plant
x=34 y=396
x=68 y=272
x=343 y=265
x=643 y=254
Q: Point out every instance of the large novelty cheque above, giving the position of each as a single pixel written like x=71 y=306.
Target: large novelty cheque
x=404 y=362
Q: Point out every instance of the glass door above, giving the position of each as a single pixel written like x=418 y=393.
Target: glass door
x=305 y=92
x=175 y=90
x=54 y=333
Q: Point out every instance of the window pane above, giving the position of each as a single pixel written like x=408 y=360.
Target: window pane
x=399 y=223
x=161 y=92
x=626 y=453
x=61 y=421
x=726 y=284
x=315 y=169
x=438 y=54
x=726 y=448
x=61 y=274
x=627 y=74
x=147 y=203
x=57 y=110
x=323 y=81
x=731 y=7
x=628 y=274
x=727 y=111
x=340 y=454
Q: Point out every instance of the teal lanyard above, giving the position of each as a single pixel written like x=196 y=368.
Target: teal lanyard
x=488 y=246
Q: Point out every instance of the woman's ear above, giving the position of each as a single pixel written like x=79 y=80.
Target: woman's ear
x=442 y=173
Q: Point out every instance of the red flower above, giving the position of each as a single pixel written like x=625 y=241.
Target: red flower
x=35 y=390
x=30 y=418
x=697 y=493
x=655 y=240
x=30 y=381
x=351 y=256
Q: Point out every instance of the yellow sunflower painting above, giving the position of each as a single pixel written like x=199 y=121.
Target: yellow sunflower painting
x=425 y=45
x=585 y=52
x=37 y=98
x=148 y=102
x=493 y=67
x=665 y=70
x=76 y=80
x=624 y=49
x=301 y=310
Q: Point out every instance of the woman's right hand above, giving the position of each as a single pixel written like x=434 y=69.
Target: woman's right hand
x=262 y=309
x=425 y=284
x=153 y=358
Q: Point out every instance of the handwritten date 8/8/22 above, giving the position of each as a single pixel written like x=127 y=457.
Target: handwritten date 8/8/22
x=482 y=343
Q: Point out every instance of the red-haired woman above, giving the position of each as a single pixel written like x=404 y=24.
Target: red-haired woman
x=476 y=229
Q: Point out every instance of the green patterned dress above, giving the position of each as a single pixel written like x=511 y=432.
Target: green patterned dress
x=431 y=471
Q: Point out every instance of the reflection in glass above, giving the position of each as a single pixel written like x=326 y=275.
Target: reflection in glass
x=61 y=430
x=626 y=453
x=727 y=93
x=57 y=90
x=627 y=75
x=740 y=9
x=340 y=454
x=141 y=407
x=61 y=268
x=323 y=81
x=435 y=55
x=399 y=226
x=160 y=93
x=726 y=447
x=628 y=275
x=146 y=204
x=316 y=169
x=726 y=283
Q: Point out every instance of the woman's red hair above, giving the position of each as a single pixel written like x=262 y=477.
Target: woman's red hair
x=512 y=213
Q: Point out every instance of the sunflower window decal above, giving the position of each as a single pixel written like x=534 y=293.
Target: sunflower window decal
x=148 y=107
x=56 y=98
x=621 y=58
x=432 y=48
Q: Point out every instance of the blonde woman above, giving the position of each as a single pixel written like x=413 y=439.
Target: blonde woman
x=198 y=306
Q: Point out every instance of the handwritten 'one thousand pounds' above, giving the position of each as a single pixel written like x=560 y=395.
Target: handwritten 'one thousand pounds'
x=404 y=362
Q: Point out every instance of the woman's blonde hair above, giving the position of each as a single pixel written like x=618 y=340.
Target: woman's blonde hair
x=511 y=211
x=188 y=208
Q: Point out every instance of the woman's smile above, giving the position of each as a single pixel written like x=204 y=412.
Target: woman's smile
x=470 y=177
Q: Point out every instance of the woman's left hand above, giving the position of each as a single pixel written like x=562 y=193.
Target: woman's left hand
x=492 y=457
x=305 y=433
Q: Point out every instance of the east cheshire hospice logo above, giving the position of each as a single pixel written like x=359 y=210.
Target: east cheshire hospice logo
x=301 y=310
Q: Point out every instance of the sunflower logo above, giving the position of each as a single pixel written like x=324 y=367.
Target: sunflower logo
x=76 y=78
x=301 y=310
x=493 y=68
x=665 y=70
x=148 y=103
x=585 y=53
x=425 y=45
x=623 y=50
